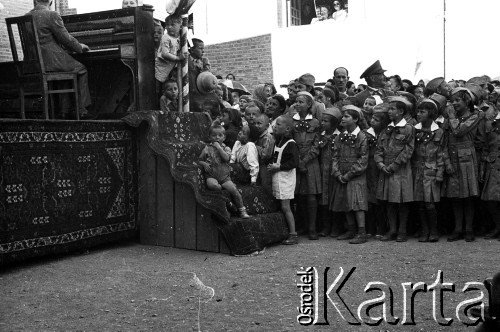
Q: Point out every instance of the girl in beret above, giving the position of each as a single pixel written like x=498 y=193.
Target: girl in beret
x=461 y=184
x=376 y=216
x=329 y=127
x=428 y=168
x=349 y=191
x=392 y=155
x=306 y=135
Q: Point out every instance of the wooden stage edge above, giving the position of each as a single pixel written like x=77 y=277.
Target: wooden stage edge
x=168 y=212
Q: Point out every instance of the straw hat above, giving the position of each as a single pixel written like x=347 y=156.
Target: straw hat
x=206 y=82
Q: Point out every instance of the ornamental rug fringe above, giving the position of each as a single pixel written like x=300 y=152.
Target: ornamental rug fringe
x=65 y=185
x=180 y=137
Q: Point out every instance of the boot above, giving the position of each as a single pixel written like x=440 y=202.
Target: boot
x=312 y=213
x=336 y=224
x=493 y=234
x=392 y=213
x=325 y=220
x=495 y=216
x=434 y=234
x=424 y=233
x=403 y=220
x=292 y=239
x=360 y=238
x=350 y=234
x=300 y=215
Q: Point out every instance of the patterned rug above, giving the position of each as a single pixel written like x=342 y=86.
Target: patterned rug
x=65 y=185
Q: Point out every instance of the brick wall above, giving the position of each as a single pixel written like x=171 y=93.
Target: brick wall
x=11 y=8
x=248 y=59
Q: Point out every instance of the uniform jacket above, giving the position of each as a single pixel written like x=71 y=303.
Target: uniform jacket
x=395 y=146
x=350 y=154
x=428 y=153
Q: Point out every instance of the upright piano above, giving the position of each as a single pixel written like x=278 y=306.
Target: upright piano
x=121 y=58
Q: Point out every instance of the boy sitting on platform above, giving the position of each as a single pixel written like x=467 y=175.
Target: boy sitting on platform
x=215 y=161
x=168 y=101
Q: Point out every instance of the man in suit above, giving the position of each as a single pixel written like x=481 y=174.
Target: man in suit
x=53 y=37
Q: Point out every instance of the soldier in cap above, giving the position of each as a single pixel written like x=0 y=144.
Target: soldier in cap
x=374 y=76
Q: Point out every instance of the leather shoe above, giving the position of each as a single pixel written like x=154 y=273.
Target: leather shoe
x=359 y=239
x=402 y=238
x=388 y=237
x=469 y=237
x=454 y=237
x=313 y=236
x=347 y=236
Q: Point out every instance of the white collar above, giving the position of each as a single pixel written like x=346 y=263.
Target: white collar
x=401 y=123
x=296 y=116
x=355 y=132
x=371 y=131
x=336 y=132
x=434 y=126
x=498 y=116
x=440 y=119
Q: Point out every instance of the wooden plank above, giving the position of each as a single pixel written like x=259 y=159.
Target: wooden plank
x=165 y=203
x=207 y=235
x=185 y=217
x=147 y=189
x=223 y=248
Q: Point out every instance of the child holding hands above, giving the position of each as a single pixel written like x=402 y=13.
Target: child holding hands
x=283 y=170
x=215 y=161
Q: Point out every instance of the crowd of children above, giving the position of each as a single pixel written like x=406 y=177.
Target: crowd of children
x=354 y=168
x=356 y=165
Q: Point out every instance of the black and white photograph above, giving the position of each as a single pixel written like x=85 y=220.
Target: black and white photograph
x=236 y=165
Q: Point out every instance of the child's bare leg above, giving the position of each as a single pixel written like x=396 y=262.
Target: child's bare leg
x=292 y=234
x=285 y=207
x=231 y=187
x=213 y=184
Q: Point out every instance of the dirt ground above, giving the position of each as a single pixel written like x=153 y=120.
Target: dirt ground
x=132 y=287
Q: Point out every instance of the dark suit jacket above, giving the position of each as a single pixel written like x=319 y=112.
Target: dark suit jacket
x=53 y=34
